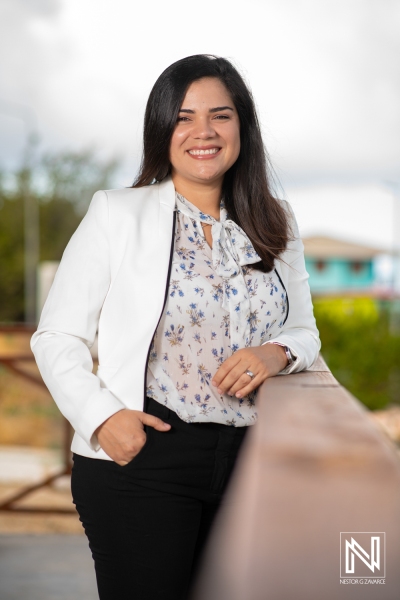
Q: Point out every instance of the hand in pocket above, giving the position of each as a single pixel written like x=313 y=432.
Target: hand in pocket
x=122 y=436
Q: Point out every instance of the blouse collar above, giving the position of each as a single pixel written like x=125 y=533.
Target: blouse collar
x=232 y=248
x=190 y=210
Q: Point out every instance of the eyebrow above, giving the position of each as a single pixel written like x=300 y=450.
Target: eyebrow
x=212 y=110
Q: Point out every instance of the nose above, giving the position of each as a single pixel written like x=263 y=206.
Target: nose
x=203 y=129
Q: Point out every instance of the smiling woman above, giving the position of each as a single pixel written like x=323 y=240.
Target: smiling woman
x=206 y=140
x=187 y=277
x=223 y=110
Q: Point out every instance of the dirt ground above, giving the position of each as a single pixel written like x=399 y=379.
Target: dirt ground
x=28 y=414
x=56 y=496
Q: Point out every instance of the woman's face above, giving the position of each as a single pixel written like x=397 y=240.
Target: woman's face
x=206 y=139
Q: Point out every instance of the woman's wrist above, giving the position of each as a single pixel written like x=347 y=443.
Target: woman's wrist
x=290 y=357
x=281 y=355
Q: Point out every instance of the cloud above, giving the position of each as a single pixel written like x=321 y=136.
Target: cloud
x=32 y=7
x=336 y=114
x=359 y=213
x=29 y=53
x=324 y=74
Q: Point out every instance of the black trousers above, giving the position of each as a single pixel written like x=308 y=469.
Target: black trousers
x=147 y=522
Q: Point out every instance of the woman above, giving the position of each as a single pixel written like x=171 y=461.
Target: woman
x=187 y=277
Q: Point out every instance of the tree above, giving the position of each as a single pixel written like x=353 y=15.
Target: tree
x=62 y=184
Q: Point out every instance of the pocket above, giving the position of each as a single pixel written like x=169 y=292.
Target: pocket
x=137 y=458
x=152 y=407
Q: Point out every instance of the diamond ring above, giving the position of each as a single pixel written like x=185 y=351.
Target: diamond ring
x=250 y=374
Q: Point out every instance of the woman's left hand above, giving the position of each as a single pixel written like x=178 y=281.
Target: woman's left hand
x=264 y=361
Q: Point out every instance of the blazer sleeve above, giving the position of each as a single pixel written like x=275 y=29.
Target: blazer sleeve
x=300 y=332
x=68 y=326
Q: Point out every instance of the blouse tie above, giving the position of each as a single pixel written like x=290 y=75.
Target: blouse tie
x=231 y=250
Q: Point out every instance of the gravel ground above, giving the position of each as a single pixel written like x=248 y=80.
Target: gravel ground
x=46 y=567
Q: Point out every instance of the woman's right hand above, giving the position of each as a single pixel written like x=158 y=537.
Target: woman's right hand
x=122 y=436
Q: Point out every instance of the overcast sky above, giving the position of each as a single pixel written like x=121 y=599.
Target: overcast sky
x=324 y=74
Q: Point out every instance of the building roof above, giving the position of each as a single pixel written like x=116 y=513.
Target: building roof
x=322 y=247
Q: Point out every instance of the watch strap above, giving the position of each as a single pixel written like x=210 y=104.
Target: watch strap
x=288 y=352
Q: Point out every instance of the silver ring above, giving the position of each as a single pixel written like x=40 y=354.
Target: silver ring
x=250 y=374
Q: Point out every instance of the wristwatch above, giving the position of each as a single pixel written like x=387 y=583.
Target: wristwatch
x=289 y=355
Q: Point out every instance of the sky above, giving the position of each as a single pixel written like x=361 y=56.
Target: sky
x=324 y=75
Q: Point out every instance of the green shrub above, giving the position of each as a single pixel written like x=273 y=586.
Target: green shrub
x=360 y=349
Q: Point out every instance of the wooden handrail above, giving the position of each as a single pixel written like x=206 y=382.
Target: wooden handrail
x=313 y=466
x=12 y=361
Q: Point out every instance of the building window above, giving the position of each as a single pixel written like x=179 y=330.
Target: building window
x=320 y=265
x=356 y=266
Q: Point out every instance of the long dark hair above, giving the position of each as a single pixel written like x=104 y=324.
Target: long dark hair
x=246 y=187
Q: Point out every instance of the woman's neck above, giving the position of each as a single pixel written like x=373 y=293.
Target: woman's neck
x=205 y=196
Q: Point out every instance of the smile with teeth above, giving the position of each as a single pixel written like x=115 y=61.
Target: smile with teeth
x=204 y=152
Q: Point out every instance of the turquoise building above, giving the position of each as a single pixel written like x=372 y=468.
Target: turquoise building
x=336 y=266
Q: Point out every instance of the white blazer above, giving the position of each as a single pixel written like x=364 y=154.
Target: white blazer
x=126 y=237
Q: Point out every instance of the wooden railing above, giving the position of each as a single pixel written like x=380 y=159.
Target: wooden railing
x=17 y=362
x=313 y=466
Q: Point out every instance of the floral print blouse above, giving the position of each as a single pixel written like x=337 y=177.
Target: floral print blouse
x=217 y=303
